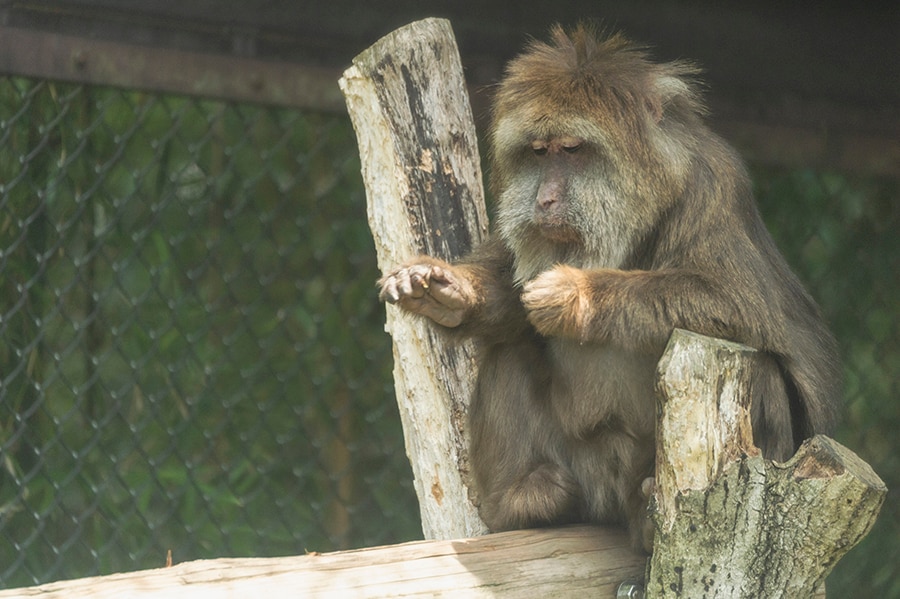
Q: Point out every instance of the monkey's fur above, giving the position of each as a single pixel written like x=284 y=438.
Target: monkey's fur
x=620 y=217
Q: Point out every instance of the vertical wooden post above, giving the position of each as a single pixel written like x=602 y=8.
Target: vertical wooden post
x=409 y=105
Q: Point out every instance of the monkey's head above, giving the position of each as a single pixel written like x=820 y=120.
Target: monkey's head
x=590 y=144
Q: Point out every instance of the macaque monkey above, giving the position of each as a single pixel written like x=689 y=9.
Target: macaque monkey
x=620 y=216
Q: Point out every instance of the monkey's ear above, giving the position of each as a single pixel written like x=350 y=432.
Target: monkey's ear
x=671 y=91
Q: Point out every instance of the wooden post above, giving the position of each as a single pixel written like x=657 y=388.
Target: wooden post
x=409 y=105
x=729 y=523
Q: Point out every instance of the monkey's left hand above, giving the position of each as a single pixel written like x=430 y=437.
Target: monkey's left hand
x=559 y=302
x=429 y=287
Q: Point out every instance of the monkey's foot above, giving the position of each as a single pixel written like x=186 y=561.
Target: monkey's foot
x=648 y=486
x=547 y=495
x=641 y=525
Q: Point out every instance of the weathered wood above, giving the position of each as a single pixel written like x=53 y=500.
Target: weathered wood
x=408 y=102
x=729 y=523
x=559 y=563
x=704 y=421
x=88 y=59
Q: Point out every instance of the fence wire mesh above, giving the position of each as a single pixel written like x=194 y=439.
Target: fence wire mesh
x=192 y=356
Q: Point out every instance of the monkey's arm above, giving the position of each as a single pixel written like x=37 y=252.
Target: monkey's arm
x=639 y=309
x=474 y=297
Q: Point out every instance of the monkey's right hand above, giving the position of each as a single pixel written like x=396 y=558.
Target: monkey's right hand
x=431 y=288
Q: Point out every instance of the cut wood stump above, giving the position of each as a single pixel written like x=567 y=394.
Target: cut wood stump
x=730 y=523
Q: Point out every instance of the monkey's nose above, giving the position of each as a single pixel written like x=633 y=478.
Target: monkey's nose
x=550 y=193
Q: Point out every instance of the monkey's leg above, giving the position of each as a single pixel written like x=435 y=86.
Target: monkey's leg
x=773 y=425
x=517 y=447
x=616 y=468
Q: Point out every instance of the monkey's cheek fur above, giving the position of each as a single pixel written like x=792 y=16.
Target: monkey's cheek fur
x=558 y=302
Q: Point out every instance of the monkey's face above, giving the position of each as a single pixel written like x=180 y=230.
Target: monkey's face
x=562 y=196
x=591 y=145
x=557 y=160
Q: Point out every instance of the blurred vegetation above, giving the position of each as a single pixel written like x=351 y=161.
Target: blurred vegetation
x=192 y=356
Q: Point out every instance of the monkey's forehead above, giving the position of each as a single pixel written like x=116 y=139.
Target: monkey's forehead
x=524 y=127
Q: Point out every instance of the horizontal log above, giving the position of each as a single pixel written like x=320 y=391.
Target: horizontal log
x=560 y=563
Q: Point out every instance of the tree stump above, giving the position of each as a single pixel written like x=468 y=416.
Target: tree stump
x=730 y=523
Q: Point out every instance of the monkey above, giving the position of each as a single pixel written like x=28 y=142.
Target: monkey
x=620 y=216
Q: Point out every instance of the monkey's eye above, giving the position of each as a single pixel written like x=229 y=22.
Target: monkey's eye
x=570 y=144
x=539 y=148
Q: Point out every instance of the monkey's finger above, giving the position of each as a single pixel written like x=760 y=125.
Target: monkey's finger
x=439 y=274
x=418 y=277
x=389 y=291
x=445 y=288
x=405 y=282
x=399 y=285
x=394 y=286
x=419 y=283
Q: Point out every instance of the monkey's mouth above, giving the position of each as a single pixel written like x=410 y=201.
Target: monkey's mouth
x=557 y=230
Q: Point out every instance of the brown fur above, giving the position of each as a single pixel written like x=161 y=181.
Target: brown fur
x=620 y=217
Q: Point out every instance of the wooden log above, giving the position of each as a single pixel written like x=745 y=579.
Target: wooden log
x=408 y=102
x=729 y=523
x=560 y=563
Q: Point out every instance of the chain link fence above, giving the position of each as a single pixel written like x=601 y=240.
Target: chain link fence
x=192 y=356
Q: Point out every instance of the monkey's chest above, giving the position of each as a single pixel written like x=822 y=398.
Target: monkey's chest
x=596 y=388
